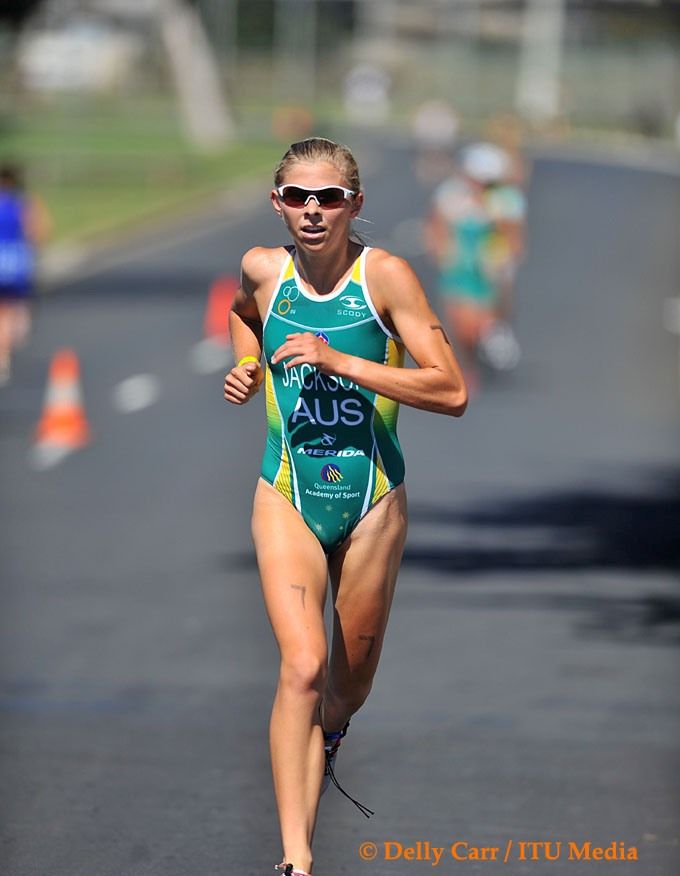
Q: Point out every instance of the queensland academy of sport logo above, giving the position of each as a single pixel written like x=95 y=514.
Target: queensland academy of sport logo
x=324 y=337
x=331 y=473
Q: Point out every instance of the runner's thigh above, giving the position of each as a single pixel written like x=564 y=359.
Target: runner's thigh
x=293 y=570
x=363 y=575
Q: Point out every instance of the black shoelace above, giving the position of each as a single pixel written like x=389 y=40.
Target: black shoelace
x=360 y=806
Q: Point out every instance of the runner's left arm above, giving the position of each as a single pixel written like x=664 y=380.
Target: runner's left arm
x=435 y=385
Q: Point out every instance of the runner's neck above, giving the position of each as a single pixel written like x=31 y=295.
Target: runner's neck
x=320 y=274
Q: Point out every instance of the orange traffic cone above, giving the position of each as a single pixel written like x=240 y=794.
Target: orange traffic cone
x=63 y=422
x=220 y=297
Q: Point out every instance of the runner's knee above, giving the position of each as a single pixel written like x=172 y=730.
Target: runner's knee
x=349 y=697
x=303 y=672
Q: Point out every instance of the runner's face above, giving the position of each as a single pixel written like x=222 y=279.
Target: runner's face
x=314 y=227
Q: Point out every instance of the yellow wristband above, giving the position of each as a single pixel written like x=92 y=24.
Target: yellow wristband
x=248 y=359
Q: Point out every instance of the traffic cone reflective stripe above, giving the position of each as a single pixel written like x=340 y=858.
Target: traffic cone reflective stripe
x=63 y=422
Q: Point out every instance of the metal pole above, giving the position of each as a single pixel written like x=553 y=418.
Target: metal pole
x=295 y=35
x=537 y=92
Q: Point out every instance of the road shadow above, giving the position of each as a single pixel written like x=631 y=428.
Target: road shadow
x=582 y=530
x=587 y=529
x=570 y=530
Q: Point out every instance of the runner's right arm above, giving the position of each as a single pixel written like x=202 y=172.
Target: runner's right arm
x=245 y=326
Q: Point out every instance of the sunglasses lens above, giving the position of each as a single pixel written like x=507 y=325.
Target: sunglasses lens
x=294 y=197
x=331 y=197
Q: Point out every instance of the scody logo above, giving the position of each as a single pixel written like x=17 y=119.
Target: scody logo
x=353 y=305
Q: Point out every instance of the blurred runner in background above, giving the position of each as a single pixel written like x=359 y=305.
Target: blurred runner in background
x=506 y=130
x=475 y=233
x=508 y=207
x=24 y=222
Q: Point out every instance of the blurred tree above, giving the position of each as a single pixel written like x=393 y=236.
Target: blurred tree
x=337 y=18
x=15 y=12
x=256 y=24
x=206 y=116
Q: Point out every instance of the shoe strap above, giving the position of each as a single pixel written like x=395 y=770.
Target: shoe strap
x=332 y=739
x=289 y=871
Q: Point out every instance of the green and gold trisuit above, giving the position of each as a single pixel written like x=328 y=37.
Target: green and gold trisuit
x=332 y=447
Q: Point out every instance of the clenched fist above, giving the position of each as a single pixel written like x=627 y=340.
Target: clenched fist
x=242 y=382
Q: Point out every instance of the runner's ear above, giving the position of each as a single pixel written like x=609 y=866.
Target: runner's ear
x=274 y=198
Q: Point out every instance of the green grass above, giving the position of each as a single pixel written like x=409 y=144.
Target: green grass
x=102 y=168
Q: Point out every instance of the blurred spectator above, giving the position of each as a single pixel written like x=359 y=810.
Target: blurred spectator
x=475 y=234
x=24 y=223
x=506 y=130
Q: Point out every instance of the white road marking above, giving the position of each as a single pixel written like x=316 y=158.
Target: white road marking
x=44 y=456
x=209 y=356
x=136 y=393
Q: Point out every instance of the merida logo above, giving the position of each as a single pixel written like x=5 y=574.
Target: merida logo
x=318 y=451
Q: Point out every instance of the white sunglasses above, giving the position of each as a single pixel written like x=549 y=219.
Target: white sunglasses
x=329 y=197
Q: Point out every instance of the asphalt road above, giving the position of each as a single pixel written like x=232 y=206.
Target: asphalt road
x=528 y=690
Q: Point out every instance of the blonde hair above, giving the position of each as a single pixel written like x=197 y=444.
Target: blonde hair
x=321 y=149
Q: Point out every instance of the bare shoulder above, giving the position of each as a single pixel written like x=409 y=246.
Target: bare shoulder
x=390 y=279
x=381 y=263
x=260 y=267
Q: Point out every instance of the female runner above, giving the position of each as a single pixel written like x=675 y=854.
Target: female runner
x=333 y=318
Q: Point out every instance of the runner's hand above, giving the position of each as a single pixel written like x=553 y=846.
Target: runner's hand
x=306 y=348
x=242 y=382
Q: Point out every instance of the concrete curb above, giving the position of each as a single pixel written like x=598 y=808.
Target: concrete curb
x=62 y=263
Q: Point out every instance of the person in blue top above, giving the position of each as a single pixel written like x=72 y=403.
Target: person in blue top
x=332 y=320
x=24 y=222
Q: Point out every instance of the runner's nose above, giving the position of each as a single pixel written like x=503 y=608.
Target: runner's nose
x=312 y=205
